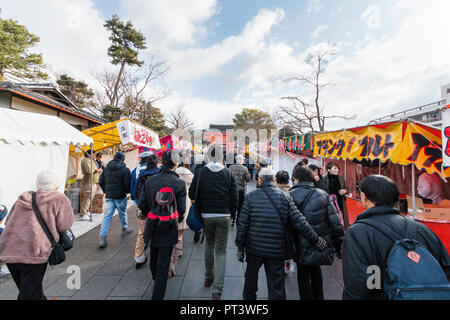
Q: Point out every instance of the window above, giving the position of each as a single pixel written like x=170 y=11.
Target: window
x=434 y=116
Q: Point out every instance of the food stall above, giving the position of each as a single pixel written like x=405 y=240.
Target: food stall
x=125 y=132
x=397 y=150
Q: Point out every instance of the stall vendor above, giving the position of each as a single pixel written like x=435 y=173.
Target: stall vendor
x=429 y=188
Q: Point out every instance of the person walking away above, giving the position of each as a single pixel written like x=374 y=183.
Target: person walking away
x=200 y=162
x=186 y=175
x=242 y=176
x=316 y=206
x=152 y=169
x=24 y=246
x=143 y=156
x=115 y=183
x=250 y=164
x=86 y=183
x=335 y=185
x=369 y=240
x=429 y=188
x=282 y=180
x=261 y=235
x=318 y=179
x=262 y=164
x=162 y=231
x=218 y=196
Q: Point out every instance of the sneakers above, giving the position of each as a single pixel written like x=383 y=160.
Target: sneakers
x=126 y=230
x=209 y=282
x=102 y=242
x=140 y=264
x=215 y=296
x=85 y=217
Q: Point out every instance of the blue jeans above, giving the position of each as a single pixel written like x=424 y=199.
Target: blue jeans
x=110 y=207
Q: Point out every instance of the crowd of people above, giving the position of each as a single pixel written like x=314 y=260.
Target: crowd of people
x=274 y=223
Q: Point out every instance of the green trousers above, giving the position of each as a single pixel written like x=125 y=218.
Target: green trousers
x=216 y=233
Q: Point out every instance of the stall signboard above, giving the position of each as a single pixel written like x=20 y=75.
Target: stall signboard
x=131 y=132
x=423 y=147
x=446 y=137
x=296 y=143
x=369 y=143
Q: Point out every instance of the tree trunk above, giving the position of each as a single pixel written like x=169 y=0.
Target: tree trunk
x=116 y=86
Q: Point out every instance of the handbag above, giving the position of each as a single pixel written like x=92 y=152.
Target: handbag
x=307 y=254
x=194 y=219
x=289 y=251
x=65 y=242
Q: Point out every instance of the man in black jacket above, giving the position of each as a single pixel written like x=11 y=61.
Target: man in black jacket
x=162 y=242
x=365 y=246
x=261 y=235
x=115 y=183
x=218 y=198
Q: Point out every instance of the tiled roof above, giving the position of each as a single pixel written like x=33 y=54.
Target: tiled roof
x=8 y=86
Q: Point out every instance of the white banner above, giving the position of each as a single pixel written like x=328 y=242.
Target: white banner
x=131 y=132
x=446 y=137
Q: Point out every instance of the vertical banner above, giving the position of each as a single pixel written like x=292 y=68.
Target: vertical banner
x=446 y=137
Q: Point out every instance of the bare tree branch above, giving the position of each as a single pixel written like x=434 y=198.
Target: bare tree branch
x=178 y=119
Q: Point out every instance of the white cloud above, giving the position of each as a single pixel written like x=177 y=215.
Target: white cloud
x=170 y=21
x=196 y=63
x=72 y=36
x=314 y=6
x=372 y=16
x=318 y=29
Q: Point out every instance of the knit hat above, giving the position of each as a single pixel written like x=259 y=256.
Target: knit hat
x=47 y=181
x=119 y=156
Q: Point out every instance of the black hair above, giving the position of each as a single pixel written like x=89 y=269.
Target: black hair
x=331 y=165
x=380 y=190
x=305 y=161
x=167 y=161
x=303 y=174
x=216 y=153
x=282 y=177
x=88 y=152
x=152 y=161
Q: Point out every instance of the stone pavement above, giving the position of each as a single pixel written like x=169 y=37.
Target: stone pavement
x=110 y=273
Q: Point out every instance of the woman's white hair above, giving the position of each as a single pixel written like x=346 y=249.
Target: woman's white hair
x=240 y=159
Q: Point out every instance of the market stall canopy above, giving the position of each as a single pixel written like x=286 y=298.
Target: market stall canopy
x=27 y=127
x=122 y=131
x=402 y=142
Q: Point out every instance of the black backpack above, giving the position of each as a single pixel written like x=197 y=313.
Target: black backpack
x=164 y=210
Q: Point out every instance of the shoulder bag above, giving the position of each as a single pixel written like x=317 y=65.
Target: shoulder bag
x=65 y=243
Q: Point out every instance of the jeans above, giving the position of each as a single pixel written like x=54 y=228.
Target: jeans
x=310 y=283
x=110 y=207
x=216 y=233
x=274 y=274
x=28 y=279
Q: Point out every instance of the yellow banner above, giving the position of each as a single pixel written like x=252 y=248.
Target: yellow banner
x=369 y=143
x=423 y=148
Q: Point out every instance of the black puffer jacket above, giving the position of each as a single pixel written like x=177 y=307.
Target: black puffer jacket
x=365 y=246
x=166 y=178
x=115 y=180
x=260 y=230
x=319 y=212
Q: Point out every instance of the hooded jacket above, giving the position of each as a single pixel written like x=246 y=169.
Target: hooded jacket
x=259 y=229
x=115 y=180
x=23 y=239
x=365 y=246
x=217 y=191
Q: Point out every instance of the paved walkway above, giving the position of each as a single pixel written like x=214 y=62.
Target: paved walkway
x=110 y=273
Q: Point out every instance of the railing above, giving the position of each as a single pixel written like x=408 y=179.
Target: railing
x=429 y=106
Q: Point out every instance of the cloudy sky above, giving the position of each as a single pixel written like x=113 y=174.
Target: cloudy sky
x=229 y=54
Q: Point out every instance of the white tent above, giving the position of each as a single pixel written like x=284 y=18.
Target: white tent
x=30 y=143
